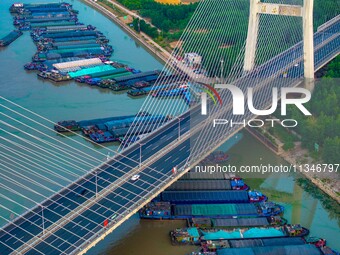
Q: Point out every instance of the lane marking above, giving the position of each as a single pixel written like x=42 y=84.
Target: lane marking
x=86 y=226
x=19 y=239
x=10 y=237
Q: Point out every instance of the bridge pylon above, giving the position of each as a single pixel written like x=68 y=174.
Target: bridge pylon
x=306 y=12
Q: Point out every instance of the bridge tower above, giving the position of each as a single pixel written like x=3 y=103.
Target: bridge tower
x=305 y=11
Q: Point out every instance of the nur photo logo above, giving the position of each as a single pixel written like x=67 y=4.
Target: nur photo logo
x=239 y=101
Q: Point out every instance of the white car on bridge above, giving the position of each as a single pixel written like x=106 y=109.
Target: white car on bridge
x=135 y=177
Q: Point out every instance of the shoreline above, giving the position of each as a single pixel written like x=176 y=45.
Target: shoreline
x=151 y=46
x=291 y=157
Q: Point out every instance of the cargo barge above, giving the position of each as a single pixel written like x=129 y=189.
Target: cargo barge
x=11 y=37
x=164 y=210
x=66 y=28
x=197 y=236
x=113 y=131
x=230 y=184
x=50 y=7
x=302 y=249
x=87 y=125
x=86 y=72
x=64 y=34
x=83 y=53
x=141 y=91
x=103 y=73
x=68 y=45
x=210 y=197
x=30 y=21
x=192 y=175
x=213 y=246
x=76 y=65
x=47 y=24
x=206 y=223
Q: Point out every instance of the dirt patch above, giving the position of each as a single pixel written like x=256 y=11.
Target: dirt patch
x=176 y=43
x=225 y=46
x=126 y=19
x=201 y=31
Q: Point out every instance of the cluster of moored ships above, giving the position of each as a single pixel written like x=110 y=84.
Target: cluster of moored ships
x=114 y=129
x=70 y=50
x=225 y=217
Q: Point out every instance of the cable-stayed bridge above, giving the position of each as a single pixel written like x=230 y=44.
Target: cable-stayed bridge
x=72 y=220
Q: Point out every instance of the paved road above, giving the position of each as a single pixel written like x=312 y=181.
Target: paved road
x=129 y=194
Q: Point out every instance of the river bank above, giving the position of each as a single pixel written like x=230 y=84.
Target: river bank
x=149 y=44
x=328 y=182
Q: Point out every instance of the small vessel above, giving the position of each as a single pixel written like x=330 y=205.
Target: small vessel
x=318 y=242
x=44 y=74
x=185 y=236
x=66 y=126
x=238 y=183
x=216 y=157
x=141 y=84
x=256 y=196
x=35 y=66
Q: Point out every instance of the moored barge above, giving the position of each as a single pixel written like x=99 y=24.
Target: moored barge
x=11 y=37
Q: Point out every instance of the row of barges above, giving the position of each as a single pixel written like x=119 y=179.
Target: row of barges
x=113 y=129
x=222 y=218
x=70 y=50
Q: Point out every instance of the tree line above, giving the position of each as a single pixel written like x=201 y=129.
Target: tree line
x=323 y=127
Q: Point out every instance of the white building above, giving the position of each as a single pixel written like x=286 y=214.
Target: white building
x=192 y=59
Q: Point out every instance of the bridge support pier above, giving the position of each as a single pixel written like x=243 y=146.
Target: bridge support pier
x=306 y=12
x=308 y=44
x=253 y=31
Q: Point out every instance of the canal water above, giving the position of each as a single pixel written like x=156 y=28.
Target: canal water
x=74 y=101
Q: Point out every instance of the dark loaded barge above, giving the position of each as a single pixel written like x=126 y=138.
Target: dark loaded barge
x=210 y=197
x=111 y=129
x=11 y=37
x=166 y=210
x=198 y=185
x=207 y=223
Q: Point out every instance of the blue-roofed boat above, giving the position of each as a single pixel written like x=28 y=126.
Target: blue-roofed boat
x=210 y=196
x=183 y=235
x=165 y=210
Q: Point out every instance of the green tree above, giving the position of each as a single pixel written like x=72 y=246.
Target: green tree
x=331 y=150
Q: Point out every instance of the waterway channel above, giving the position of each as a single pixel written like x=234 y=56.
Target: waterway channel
x=73 y=101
